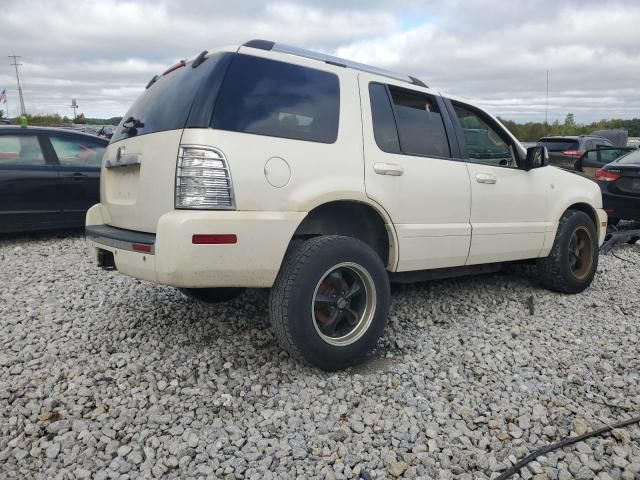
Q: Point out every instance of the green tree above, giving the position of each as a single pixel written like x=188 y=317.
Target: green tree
x=80 y=119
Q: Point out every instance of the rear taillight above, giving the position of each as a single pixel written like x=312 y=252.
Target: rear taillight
x=572 y=153
x=606 y=176
x=203 y=180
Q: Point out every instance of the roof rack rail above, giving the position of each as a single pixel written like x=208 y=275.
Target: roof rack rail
x=341 y=62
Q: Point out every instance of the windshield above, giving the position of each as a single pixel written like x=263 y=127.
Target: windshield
x=558 y=144
x=633 y=157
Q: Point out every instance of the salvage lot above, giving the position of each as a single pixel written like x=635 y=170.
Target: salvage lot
x=103 y=375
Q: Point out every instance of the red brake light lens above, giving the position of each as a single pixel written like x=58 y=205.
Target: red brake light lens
x=178 y=65
x=572 y=153
x=606 y=176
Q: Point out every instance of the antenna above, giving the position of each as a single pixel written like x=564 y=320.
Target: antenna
x=546 y=108
x=16 y=64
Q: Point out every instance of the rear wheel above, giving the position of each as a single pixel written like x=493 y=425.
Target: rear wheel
x=330 y=302
x=573 y=261
x=212 y=295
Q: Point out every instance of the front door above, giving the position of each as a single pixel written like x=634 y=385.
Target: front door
x=509 y=208
x=413 y=171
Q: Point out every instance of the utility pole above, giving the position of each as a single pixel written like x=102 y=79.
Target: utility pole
x=16 y=64
x=546 y=108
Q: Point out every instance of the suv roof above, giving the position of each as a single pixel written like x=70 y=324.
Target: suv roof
x=341 y=62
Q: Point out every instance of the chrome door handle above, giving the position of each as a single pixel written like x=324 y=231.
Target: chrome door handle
x=486 y=178
x=388 y=169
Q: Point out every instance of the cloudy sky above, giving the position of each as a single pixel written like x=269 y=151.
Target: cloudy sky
x=494 y=52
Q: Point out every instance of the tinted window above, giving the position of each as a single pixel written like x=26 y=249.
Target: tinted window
x=608 y=155
x=483 y=141
x=78 y=151
x=266 y=97
x=165 y=105
x=20 y=150
x=559 y=144
x=384 y=125
x=420 y=126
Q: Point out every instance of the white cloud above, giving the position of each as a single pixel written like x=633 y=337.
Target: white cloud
x=491 y=51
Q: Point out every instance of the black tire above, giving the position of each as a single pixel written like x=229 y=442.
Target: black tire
x=296 y=307
x=212 y=295
x=560 y=271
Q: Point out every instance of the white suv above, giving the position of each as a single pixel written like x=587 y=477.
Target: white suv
x=269 y=166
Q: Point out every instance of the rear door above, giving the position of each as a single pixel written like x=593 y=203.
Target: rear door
x=413 y=169
x=79 y=158
x=28 y=183
x=509 y=206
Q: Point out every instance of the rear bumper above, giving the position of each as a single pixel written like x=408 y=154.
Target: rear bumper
x=170 y=258
x=625 y=207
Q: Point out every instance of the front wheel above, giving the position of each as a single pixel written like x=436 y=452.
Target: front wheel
x=330 y=301
x=573 y=261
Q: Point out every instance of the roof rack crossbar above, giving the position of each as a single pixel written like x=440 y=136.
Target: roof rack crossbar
x=301 y=52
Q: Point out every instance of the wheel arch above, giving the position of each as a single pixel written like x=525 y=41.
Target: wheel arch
x=589 y=210
x=353 y=218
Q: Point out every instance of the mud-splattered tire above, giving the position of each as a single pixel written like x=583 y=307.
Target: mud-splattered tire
x=573 y=261
x=330 y=301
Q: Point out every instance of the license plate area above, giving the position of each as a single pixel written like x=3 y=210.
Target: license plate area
x=122 y=184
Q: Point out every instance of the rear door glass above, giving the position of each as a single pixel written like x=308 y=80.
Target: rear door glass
x=20 y=150
x=278 y=99
x=77 y=152
x=384 y=124
x=420 y=125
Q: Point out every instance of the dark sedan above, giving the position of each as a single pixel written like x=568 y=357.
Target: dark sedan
x=49 y=177
x=620 y=185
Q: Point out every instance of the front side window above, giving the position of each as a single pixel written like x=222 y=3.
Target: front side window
x=78 y=152
x=20 y=150
x=484 y=143
x=278 y=99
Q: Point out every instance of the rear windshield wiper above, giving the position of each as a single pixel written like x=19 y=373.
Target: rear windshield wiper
x=131 y=126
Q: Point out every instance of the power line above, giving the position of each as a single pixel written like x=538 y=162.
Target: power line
x=16 y=64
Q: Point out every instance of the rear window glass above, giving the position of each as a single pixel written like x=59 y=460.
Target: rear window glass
x=633 y=157
x=165 y=105
x=559 y=144
x=420 y=125
x=266 y=97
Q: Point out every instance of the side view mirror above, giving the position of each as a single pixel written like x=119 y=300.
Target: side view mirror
x=537 y=157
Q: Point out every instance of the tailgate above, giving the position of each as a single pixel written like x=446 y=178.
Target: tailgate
x=137 y=182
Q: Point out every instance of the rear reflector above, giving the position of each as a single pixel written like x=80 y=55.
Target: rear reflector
x=606 y=176
x=572 y=153
x=141 y=247
x=219 y=239
x=178 y=65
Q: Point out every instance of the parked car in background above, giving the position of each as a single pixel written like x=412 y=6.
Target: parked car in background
x=49 y=177
x=565 y=150
x=592 y=160
x=620 y=185
x=633 y=142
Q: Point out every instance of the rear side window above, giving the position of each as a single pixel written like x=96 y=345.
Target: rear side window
x=420 y=125
x=633 y=157
x=278 y=99
x=559 y=144
x=384 y=124
x=78 y=152
x=166 y=104
x=18 y=150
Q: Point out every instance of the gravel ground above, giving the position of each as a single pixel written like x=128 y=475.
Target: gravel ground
x=103 y=376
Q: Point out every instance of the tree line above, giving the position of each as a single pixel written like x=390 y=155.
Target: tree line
x=533 y=131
